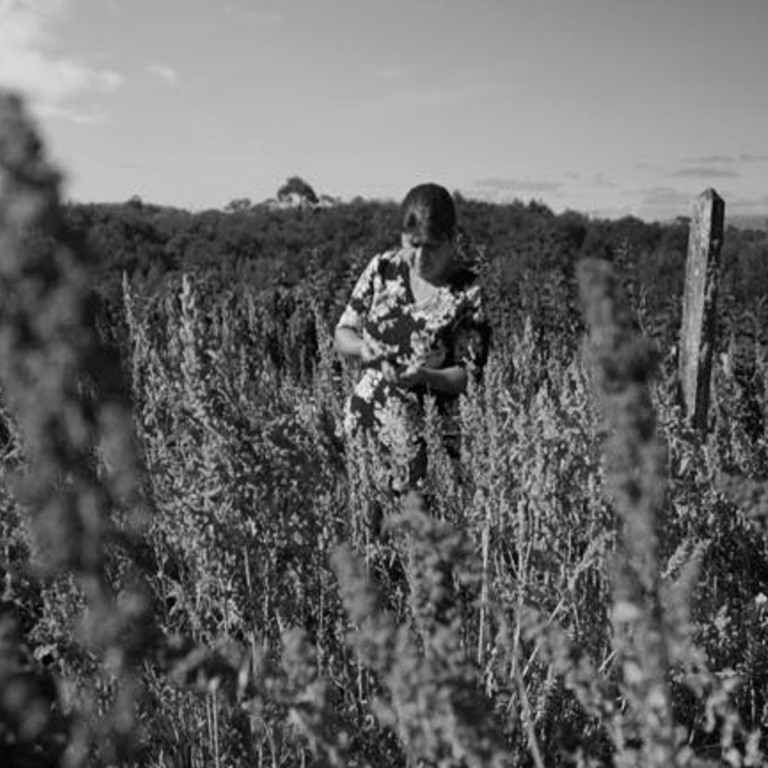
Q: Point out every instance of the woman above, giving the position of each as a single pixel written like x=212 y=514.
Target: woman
x=415 y=321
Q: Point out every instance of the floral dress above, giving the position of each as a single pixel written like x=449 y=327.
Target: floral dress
x=447 y=329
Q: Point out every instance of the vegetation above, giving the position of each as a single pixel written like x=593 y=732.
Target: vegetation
x=192 y=575
x=295 y=185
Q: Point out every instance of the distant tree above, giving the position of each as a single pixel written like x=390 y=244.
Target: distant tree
x=295 y=185
x=238 y=204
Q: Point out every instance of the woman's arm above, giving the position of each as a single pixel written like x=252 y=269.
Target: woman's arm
x=349 y=338
x=448 y=381
x=350 y=343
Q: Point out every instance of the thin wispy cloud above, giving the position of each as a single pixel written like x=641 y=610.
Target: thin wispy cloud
x=729 y=160
x=755 y=204
x=665 y=196
x=76 y=116
x=703 y=172
x=646 y=166
x=165 y=73
x=517 y=185
x=751 y=158
x=601 y=180
x=711 y=160
x=664 y=203
x=54 y=85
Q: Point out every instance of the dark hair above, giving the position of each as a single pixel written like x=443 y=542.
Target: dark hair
x=428 y=211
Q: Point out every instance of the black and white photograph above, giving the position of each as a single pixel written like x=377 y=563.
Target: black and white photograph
x=383 y=384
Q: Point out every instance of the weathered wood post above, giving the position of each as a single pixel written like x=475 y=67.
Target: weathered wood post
x=697 y=335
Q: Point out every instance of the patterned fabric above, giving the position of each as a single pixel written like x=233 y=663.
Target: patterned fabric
x=447 y=329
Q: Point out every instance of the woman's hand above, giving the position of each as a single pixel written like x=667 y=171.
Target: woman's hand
x=361 y=346
x=371 y=351
x=403 y=377
x=449 y=381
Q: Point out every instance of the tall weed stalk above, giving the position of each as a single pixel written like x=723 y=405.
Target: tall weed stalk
x=64 y=388
x=634 y=465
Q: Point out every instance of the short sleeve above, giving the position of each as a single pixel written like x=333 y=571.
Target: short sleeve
x=361 y=299
x=471 y=334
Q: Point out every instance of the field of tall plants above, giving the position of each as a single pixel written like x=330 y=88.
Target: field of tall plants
x=195 y=571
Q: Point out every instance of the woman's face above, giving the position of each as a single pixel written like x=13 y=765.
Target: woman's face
x=431 y=256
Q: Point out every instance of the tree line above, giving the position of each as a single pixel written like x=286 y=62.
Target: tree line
x=530 y=251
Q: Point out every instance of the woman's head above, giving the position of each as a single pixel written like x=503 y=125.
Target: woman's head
x=429 y=226
x=428 y=213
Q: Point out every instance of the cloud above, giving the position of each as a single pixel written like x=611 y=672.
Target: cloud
x=704 y=172
x=517 y=185
x=732 y=160
x=664 y=203
x=165 y=73
x=748 y=205
x=76 y=116
x=646 y=166
x=665 y=196
x=711 y=160
x=601 y=180
x=751 y=158
x=53 y=84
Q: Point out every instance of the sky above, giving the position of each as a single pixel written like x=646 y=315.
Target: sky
x=607 y=107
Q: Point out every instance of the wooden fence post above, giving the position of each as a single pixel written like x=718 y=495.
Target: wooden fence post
x=697 y=335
